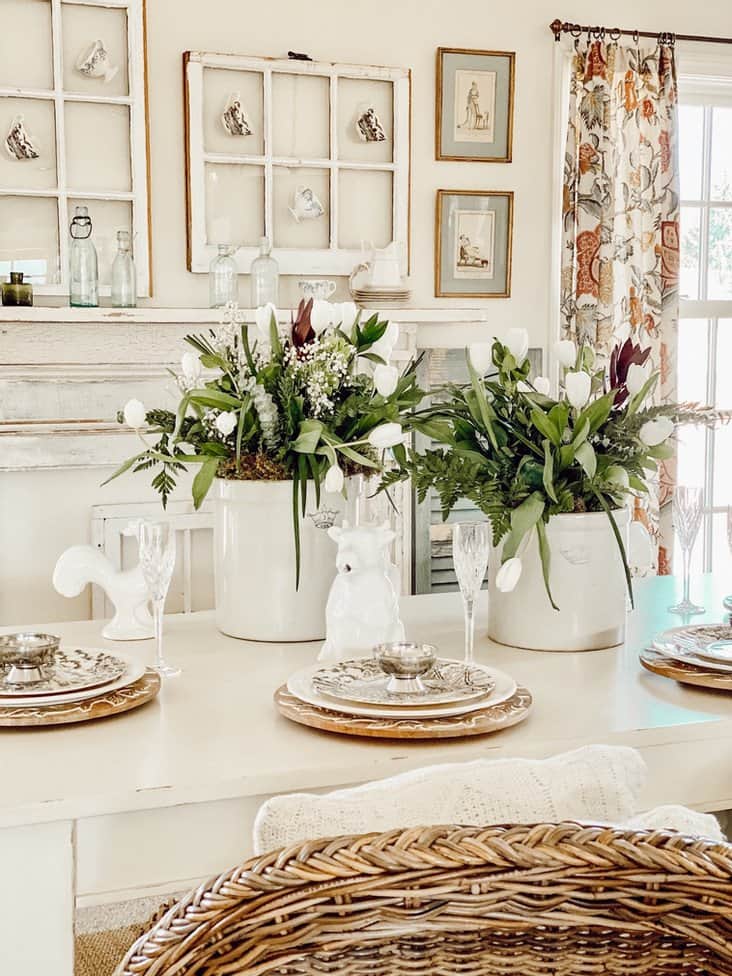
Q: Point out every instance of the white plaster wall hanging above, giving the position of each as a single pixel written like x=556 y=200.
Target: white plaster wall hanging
x=18 y=143
x=305 y=204
x=235 y=119
x=95 y=63
x=369 y=127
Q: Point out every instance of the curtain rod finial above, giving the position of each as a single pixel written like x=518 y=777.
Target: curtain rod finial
x=556 y=28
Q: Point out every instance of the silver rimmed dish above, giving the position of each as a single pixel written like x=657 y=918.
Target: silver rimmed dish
x=26 y=658
x=72 y=669
x=363 y=680
x=405 y=663
x=300 y=686
x=707 y=644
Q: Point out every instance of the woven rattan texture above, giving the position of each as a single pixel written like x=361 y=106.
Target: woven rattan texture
x=459 y=901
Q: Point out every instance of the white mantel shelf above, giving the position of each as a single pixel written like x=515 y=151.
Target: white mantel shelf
x=197 y=316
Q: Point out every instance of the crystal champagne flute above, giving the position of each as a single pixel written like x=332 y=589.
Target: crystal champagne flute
x=470 y=544
x=157 y=559
x=687 y=509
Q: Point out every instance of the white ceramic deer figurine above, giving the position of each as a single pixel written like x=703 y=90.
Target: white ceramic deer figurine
x=363 y=604
x=126 y=589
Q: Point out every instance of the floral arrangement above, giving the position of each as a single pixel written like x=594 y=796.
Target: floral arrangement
x=522 y=455
x=314 y=400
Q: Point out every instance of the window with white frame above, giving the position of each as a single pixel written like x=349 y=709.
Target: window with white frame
x=312 y=155
x=74 y=132
x=705 y=326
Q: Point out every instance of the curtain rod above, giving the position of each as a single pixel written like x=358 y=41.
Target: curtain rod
x=559 y=27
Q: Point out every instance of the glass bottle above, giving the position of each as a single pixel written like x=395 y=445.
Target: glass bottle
x=265 y=275
x=84 y=267
x=16 y=291
x=124 y=284
x=223 y=280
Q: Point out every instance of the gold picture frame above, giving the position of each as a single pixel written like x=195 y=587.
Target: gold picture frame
x=489 y=233
x=490 y=129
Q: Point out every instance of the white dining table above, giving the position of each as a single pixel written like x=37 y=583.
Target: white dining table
x=156 y=799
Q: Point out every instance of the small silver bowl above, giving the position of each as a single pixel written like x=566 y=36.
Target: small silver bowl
x=405 y=663
x=26 y=658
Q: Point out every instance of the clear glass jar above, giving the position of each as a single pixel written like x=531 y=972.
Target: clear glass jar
x=124 y=282
x=265 y=276
x=223 y=280
x=84 y=267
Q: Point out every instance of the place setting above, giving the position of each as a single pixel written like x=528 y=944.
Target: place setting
x=401 y=689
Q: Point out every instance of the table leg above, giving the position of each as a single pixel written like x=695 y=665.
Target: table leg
x=37 y=900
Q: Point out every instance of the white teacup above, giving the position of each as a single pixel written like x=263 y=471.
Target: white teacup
x=318 y=288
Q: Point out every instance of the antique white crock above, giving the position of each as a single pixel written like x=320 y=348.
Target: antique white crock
x=254 y=561
x=587 y=582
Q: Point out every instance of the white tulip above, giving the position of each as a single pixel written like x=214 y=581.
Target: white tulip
x=323 y=315
x=637 y=377
x=524 y=387
x=385 y=379
x=542 y=385
x=263 y=317
x=509 y=574
x=334 y=479
x=617 y=475
x=655 y=432
x=347 y=313
x=481 y=356
x=566 y=353
x=134 y=414
x=225 y=423
x=386 y=435
x=517 y=342
x=191 y=366
x=577 y=386
x=621 y=334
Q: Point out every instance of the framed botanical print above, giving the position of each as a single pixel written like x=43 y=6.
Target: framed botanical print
x=474 y=105
x=473 y=230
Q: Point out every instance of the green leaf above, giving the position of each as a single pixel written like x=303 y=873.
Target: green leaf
x=585 y=454
x=545 y=556
x=661 y=452
x=597 y=412
x=214 y=399
x=548 y=478
x=124 y=467
x=641 y=395
x=621 y=547
x=545 y=427
x=308 y=437
x=484 y=410
x=203 y=480
x=581 y=434
x=559 y=416
x=274 y=338
x=637 y=484
x=523 y=519
x=296 y=525
x=356 y=456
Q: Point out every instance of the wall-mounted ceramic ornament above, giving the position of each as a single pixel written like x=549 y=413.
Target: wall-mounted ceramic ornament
x=369 y=127
x=18 y=143
x=234 y=119
x=95 y=63
x=305 y=205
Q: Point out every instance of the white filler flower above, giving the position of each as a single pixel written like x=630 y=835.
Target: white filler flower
x=225 y=423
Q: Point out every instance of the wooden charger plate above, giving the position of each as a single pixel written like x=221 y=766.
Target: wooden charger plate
x=101 y=706
x=688 y=674
x=480 y=722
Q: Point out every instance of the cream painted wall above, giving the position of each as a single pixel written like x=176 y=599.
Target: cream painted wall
x=395 y=32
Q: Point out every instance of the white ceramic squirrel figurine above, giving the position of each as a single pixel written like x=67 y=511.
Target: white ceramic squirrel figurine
x=363 y=604
x=80 y=565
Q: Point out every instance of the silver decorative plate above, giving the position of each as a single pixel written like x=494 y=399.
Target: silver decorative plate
x=73 y=669
x=708 y=642
x=300 y=685
x=362 y=680
x=134 y=670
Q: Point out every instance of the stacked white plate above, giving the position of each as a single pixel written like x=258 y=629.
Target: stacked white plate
x=358 y=687
x=707 y=646
x=372 y=296
x=75 y=675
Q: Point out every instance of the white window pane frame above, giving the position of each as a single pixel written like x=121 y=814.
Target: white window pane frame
x=708 y=91
x=136 y=101
x=334 y=260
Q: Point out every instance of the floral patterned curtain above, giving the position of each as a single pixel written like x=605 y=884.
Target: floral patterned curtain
x=620 y=254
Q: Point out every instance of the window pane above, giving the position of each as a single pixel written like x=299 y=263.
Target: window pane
x=721 y=555
x=724 y=358
x=691 y=131
x=234 y=204
x=30 y=124
x=690 y=238
x=723 y=465
x=29 y=237
x=721 y=181
x=26 y=56
x=691 y=358
x=98 y=147
x=719 y=267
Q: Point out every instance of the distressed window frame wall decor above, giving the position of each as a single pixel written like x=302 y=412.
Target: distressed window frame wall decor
x=503 y=97
x=442 y=236
x=333 y=259
x=63 y=193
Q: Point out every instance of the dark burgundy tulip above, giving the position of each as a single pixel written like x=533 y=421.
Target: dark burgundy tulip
x=302 y=330
x=621 y=359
